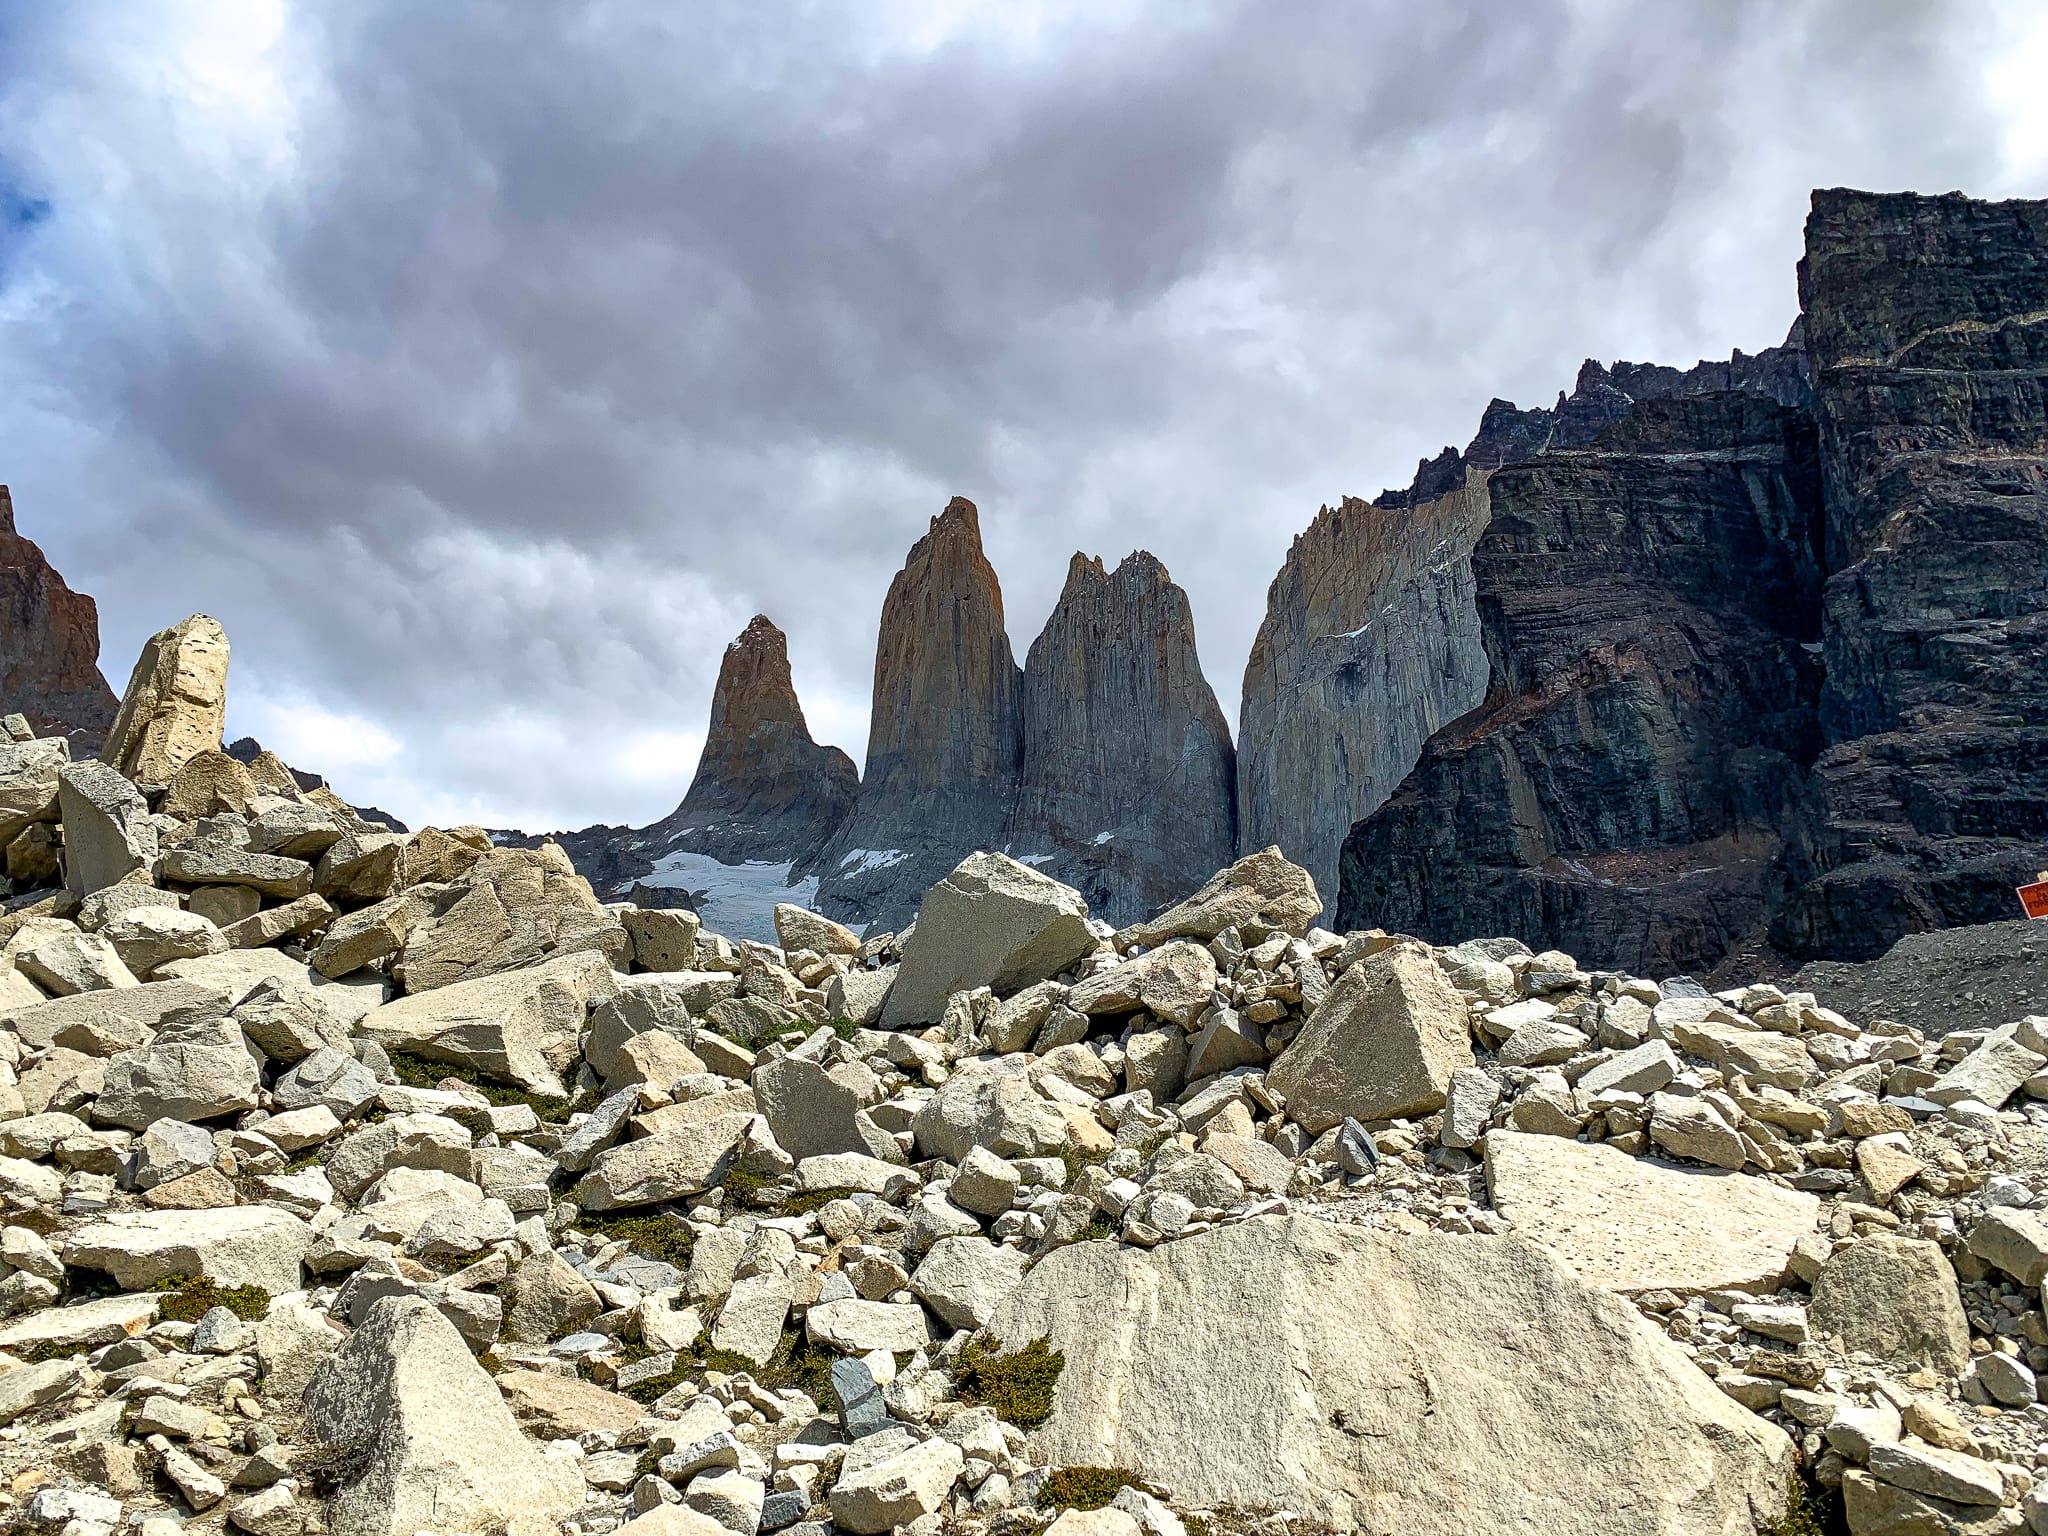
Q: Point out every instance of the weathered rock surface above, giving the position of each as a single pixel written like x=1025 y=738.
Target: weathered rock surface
x=1382 y=1044
x=49 y=644
x=1645 y=602
x=175 y=704
x=992 y=922
x=430 y=1444
x=1127 y=785
x=1370 y=643
x=520 y=1027
x=945 y=744
x=1403 y=1415
x=1630 y=1225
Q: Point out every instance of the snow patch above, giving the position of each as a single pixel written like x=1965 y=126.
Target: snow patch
x=1101 y=837
x=737 y=900
x=861 y=860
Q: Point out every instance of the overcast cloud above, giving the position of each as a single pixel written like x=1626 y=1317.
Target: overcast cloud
x=484 y=366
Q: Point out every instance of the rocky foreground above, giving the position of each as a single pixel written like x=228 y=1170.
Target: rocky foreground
x=371 y=1183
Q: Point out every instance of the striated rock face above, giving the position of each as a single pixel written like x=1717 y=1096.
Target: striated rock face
x=946 y=743
x=764 y=790
x=49 y=646
x=1370 y=642
x=1371 y=639
x=1646 y=605
x=1928 y=323
x=1128 y=772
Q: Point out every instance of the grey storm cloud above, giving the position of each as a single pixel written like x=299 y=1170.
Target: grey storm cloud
x=484 y=367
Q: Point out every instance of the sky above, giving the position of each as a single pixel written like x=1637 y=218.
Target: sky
x=483 y=367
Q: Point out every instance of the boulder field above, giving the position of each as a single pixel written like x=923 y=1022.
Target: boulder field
x=367 y=1183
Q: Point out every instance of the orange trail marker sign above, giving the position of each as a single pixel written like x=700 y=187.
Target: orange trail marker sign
x=2034 y=898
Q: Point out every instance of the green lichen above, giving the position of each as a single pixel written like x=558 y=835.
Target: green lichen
x=1087 y=1487
x=1018 y=1386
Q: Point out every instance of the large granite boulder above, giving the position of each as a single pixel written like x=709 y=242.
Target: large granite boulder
x=426 y=1441
x=1262 y=890
x=519 y=1027
x=992 y=922
x=1382 y=1043
x=175 y=704
x=1382 y=1382
x=516 y=908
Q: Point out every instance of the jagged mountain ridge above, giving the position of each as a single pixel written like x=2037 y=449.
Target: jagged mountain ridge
x=49 y=644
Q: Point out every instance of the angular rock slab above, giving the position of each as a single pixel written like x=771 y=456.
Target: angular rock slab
x=1383 y=1043
x=429 y=1443
x=235 y=1245
x=519 y=1027
x=1387 y=1384
x=1629 y=1224
x=991 y=923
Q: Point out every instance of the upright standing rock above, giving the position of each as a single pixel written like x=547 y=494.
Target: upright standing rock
x=49 y=644
x=945 y=744
x=764 y=790
x=1129 y=777
x=176 y=703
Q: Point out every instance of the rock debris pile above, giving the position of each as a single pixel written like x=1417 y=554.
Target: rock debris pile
x=369 y=1183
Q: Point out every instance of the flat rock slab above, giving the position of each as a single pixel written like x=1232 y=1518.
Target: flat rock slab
x=236 y=1245
x=1629 y=1224
x=1430 y=1385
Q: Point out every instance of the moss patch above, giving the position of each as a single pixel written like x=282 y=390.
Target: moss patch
x=797 y=1362
x=1018 y=1386
x=656 y=1235
x=186 y=1300
x=1087 y=1487
x=418 y=1072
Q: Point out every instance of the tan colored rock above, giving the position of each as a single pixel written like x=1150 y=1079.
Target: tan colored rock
x=1175 y=981
x=1895 y=1298
x=210 y=782
x=50 y=646
x=562 y=1407
x=1425 y=1384
x=427 y=1441
x=1261 y=888
x=1628 y=1224
x=800 y=928
x=521 y=906
x=175 y=704
x=992 y=922
x=1383 y=1043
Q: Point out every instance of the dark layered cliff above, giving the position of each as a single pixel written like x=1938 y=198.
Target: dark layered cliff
x=945 y=741
x=1128 y=773
x=1928 y=323
x=1688 y=743
x=1646 y=604
x=49 y=645
x=1371 y=639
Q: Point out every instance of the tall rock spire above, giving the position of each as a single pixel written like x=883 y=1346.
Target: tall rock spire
x=945 y=743
x=49 y=644
x=1128 y=778
x=764 y=789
